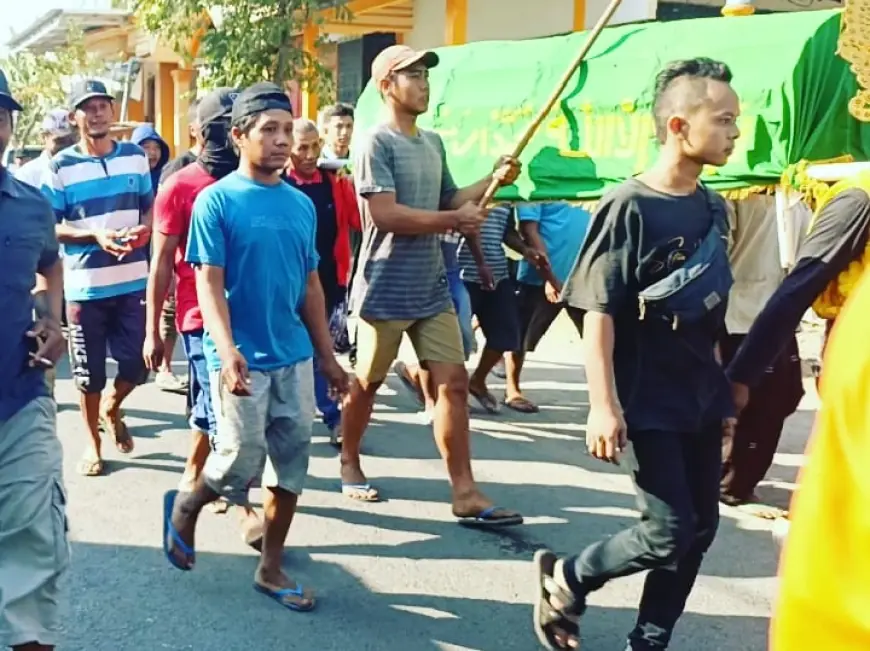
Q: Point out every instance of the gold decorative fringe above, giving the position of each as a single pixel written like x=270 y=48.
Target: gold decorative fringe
x=828 y=304
x=744 y=193
x=814 y=191
x=854 y=47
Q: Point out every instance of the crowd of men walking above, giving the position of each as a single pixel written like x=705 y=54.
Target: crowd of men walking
x=245 y=246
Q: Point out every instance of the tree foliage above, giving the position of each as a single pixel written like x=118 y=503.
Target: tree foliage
x=38 y=80
x=254 y=40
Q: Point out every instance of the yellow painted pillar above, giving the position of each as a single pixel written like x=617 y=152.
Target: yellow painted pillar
x=164 y=103
x=456 y=27
x=579 y=15
x=135 y=111
x=309 y=95
x=182 y=79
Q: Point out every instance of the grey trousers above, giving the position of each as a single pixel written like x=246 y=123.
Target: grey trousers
x=34 y=547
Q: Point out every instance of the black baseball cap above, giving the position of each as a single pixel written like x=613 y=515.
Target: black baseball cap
x=6 y=100
x=87 y=89
x=262 y=96
x=217 y=105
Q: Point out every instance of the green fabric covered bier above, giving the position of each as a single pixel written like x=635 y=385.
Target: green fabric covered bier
x=794 y=92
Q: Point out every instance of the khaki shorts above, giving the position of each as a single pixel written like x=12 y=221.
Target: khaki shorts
x=34 y=549
x=435 y=339
x=267 y=433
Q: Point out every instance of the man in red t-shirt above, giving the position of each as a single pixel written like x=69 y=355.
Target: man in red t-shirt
x=172 y=211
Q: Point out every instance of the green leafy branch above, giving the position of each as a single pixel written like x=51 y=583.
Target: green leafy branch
x=37 y=80
x=243 y=41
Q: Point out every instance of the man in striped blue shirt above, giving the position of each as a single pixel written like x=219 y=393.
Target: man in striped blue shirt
x=101 y=193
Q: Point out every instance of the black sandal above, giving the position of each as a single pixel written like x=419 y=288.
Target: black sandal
x=552 y=623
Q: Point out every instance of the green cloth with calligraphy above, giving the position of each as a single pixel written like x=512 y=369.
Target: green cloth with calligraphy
x=794 y=94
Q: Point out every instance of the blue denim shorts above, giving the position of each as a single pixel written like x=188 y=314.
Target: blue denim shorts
x=462 y=305
x=202 y=416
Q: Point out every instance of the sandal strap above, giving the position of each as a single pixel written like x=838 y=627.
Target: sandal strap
x=550 y=617
x=572 y=607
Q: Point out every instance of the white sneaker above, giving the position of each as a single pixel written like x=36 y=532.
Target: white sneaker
x=168 y=381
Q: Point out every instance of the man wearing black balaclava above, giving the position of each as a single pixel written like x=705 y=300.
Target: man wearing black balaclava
x=172 y=211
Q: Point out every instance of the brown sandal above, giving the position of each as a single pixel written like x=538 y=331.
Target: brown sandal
x=117 y=429
x=401 y=371
x=485 y=400
x=521 y=405
x=556 y=629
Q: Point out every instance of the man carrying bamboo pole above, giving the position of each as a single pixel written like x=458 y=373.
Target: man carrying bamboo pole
x=658 y=396
x=408 y=199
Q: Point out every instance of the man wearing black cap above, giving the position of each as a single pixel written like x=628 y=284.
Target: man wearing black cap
x=252 y=243
x=34 y=550
x=172 y=212
x=409 y=203
x=101 y=194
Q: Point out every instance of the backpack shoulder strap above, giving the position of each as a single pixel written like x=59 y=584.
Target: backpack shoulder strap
x=717 y=210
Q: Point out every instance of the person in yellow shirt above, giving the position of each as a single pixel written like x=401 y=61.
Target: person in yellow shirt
x=824 y=600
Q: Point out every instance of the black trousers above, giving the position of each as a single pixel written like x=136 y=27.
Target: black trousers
x=676 y=476
x=748 y=454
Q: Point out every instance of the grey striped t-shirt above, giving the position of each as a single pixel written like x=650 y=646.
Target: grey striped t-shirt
x=401 y=276
x=491 y=238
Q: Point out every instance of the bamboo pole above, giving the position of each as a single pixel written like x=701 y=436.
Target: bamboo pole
x=557 y=93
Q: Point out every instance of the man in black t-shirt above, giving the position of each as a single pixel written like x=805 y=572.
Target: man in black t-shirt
x=658 y=396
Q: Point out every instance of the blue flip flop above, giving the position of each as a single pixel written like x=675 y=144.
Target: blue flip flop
x=361 y=492
x=280 y=596
x=487 y=519
x=169 y=530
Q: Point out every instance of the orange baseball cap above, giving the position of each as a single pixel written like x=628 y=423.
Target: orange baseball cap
x=399 y=57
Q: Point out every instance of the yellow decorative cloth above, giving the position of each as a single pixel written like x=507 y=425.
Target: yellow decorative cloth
x=831 y=300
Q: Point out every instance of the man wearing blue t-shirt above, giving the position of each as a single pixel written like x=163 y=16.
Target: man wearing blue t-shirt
x=253 y=244
x=556 y=229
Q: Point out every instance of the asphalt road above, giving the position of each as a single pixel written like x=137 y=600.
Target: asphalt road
x=400 y=575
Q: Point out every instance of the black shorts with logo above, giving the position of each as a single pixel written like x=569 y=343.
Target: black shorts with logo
x=102 y=327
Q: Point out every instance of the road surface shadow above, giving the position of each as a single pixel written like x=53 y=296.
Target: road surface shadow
x=125 y=598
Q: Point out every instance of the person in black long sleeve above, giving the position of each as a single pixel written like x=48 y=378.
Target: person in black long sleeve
x=749 y=448
x=838 y=239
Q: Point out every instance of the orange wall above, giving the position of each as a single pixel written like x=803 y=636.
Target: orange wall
x=135 y=111
x=164 y=105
